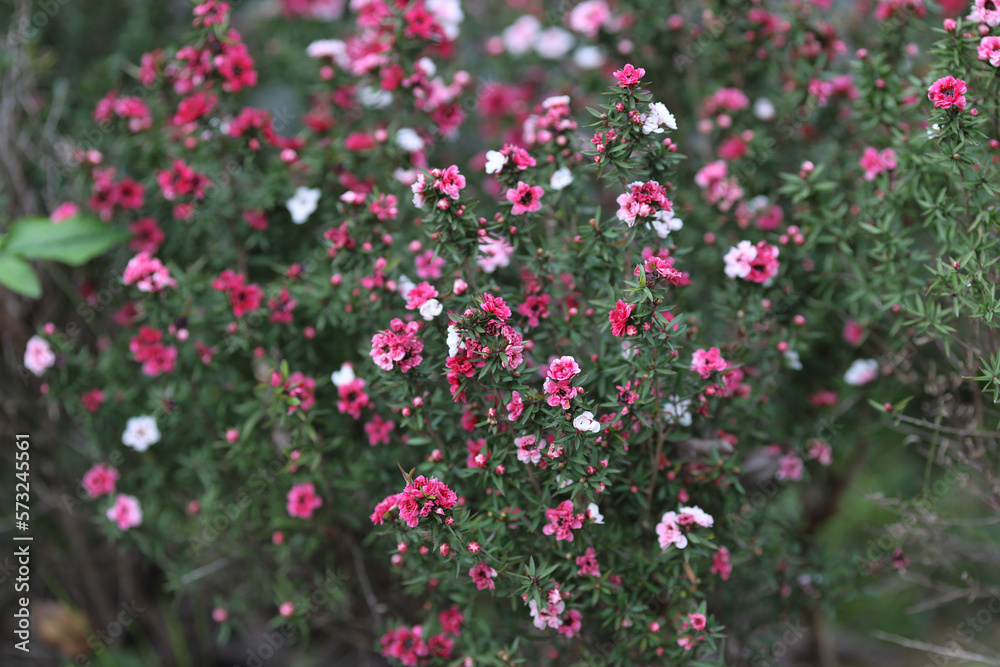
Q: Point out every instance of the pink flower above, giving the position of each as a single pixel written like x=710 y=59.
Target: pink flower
x=790 y=467
x=588 y=17
x=146 y=236
x=764 y=266
x=286 y=609
x=643 y=200
x=451 y=620
x=449 y=181
x=406 y=645
x=669 y=532
x=562 y=521
x=303 y=388
x=587 y=563
x=563 y=369
x=495 y=305
x=985 y=11
x=515 y=408
x=100 y=480
x=571 y=623
x=38 y=355
x=64 y=212
x=352 y=398
x=397 y=346
x=821 y=452
x=989 y=47
x=495 y=253
x=482 y=575
x=697 y=621
x=147 y=273
x=705 y=362
x=527 y=449
x=721 y=563
x=629 y=76
x=420 y=295
x=417 y=500
x=303 y=501
x=92 y=400
x=853 y=333
x=428 y=265
x=526 y=198
x=245 y=299
x=620 y=317
x=126 y=512
x=875 y=162
x=948 y=92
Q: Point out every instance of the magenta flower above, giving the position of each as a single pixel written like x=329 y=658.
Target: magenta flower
x=563 y=521
x=303 y=501
x=526 y=198
x=100 y=480
x=948 y=92
x=126 y=512
x=629 y=76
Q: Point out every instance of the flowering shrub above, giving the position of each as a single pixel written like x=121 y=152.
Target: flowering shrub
x=585 y=393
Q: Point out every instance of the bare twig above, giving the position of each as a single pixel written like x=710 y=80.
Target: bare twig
x=937 y=650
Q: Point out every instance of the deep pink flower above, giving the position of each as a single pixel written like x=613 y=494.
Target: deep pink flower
x=147 y=273
x=352 y=398
x=620 y=317
x=948 y=92
x=629 y=76
x=378 y=430
x=721 y=563
x=515 y=408
x=482 y=575
x=563 y=368
x=525 y=198
x=707 y=361
x=420 y=497
x=397 y=346
x=563 y=521
x=100 y=480
x=92 y=400
x=587 y=563
x=495 y=305
x=303 y=501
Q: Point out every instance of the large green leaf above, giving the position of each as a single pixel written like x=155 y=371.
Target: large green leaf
x=75 y=241
x=18 y=276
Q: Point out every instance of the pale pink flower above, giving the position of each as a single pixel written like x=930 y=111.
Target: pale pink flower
x=38 y=355
x=126 y=512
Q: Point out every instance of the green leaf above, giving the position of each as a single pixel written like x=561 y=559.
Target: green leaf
x=75 y=241
x=18 y=276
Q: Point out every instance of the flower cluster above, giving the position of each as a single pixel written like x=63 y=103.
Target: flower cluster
x=419 y=499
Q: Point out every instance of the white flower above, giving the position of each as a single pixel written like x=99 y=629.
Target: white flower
x=586 y=423
x=330 y=48
x=427 y=66
x=658 y=115
x=862 y=371
x=738 y=259
x=454 y=341
x=763 y=109
x=701 y=517
x=792 y=358
x=588 y=57
x=405 y=176
x=408 y=140
x=344 y=376
x=38 y=356
x=404 y=285
x=448 y=14
x=594 y=513
x=140 y=433
x=495 y=160
x=302 y=204
x=664 y=222
x=554 y=43
x=374 y=98
x=677 y=411
x=555 y=101
x=562 y=178
x=430 y=309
